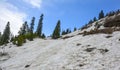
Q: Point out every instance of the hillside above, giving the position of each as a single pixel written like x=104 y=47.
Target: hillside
x=94 y=50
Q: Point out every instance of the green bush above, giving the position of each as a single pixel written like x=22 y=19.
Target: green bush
x=29 y=36
x=14 y=41
x=20 y=40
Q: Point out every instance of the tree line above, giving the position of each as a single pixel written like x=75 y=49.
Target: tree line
x=100 y=16
x=26 y=32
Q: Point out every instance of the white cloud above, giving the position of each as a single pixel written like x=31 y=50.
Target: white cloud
x=34 y=3
x=9 y=12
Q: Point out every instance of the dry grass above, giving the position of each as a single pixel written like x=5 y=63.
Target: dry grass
x=66 y=37
x=96 y=31
x=112 y=22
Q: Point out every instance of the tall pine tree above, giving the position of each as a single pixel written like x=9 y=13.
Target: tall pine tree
x=56 y=32
x=24 y=29
x=101 y=14
x=40 y=25
x=32 y=28
x=63 y=32
x=68 y=31
x=43 y=36
x=75 y=28
x=6 y=34
x=0 y=37
x=94 y=19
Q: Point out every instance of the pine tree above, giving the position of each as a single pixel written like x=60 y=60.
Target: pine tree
x=15 y=40
x=11 y=38
x=63 y=32
x=111 y=13
x=40 y=25
x=94 y=19
x=75 y=29
x=101 y=14
x=43 y=36
x=6 y=34
x=68 y=31
x=31 y=29
x=118 y=11
x=56 y=32
x=0 y=37
x=90 y=22
x=24 y=29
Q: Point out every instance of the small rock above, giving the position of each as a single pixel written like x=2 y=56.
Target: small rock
x=108 y=36
x=88 y=45
x=78 y=44
x=81 y=65
x=103 y=50
x=63 y=67
x=89 y=49
x=102 y=64
x=27 y=66
x=119 y=39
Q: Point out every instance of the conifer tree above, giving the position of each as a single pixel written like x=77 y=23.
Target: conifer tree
x=101 y=14
x=56 y=32
x=6 y=34
x=32 y=28
x=40 y=25
x=43 y=36
x=118 y=11
x=0 y=34
x=94 y=19
x=0 y=37
x=68 y=31
x=75 y=29
x=63 y=32
x=24 y=29
x=91 y=21
x=11 y=37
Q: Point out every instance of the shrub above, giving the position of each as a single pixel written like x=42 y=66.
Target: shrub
x=20 y=40
x=66 y=37
x=111 y=22
x=85 y=33
x=96 y=31
x=29 y=36
x=85 y=27
x=97 y=25
x=14 y=41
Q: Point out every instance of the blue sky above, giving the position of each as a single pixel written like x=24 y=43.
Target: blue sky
x=72 y=13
